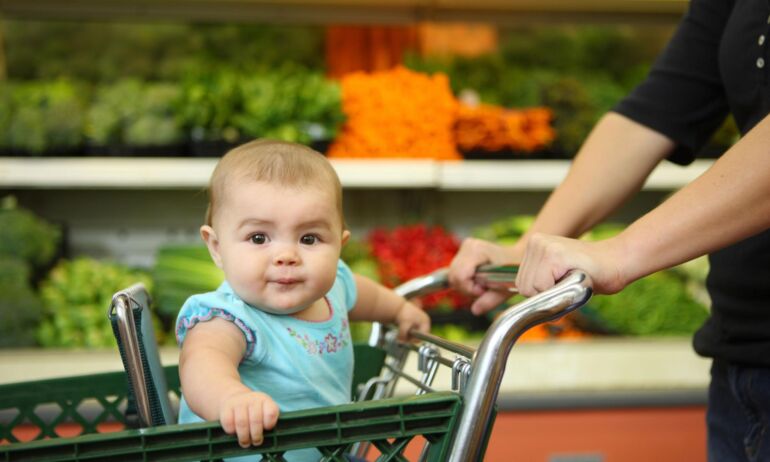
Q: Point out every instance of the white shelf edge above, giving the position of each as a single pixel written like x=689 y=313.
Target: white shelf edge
x=391 y=173
x=170 y=173
x=545 y=175
x=593 y=364
x=492 y=175
x=104 y=172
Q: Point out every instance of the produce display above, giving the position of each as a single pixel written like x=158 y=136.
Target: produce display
x=397 y=113
x=75 y=298
x=26 y=237
x=179 y=272
x=407 y=252
x=659 y=304
x=233 y=84
x=135 y=117
x=132 y=114
x=20 y=307
x=494 y=128
x=669 y=302
x=28 y=244
x=290 y=104
x=66 y=309
x=394 y=256
x=199 y=90
x=41 y=117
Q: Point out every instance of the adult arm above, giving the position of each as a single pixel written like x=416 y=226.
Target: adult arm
x=674 y=112
x=611 y=166
x=727 y=203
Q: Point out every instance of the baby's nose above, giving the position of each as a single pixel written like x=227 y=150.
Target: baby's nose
x=286 y=257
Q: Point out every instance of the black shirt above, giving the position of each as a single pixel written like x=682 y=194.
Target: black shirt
x=717 y=62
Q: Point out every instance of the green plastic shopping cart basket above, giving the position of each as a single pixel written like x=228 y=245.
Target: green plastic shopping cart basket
x=454 y=424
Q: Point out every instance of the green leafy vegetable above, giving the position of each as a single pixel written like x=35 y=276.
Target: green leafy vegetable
x=20 y=308
x=658 y=304
x=41 y=116
x=135 y=113
x=25 y=236
x=179 y=272
x=76 y=296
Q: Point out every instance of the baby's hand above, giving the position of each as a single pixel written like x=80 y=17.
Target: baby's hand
x=409 y=317
x=248 y=414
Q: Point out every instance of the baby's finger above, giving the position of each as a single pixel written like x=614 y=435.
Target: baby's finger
x=403 y=331
x=270 y=414
x=227 y=421
x=424 y=325
x=255 y=424
x=242 y=427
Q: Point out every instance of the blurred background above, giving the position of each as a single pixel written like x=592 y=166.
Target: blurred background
x=444 y=120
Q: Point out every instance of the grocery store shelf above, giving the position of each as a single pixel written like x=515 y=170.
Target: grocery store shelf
x=545 y=175
x=376 y=173
x=344 y=11
x=98 y=172
x=170 y=173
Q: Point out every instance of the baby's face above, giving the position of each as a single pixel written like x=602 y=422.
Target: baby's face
x=278 y=245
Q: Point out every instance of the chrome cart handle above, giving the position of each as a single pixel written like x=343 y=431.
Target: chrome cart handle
x=571 y=292
x=493 y=277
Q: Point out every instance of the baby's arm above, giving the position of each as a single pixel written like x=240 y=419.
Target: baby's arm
x=377 y=303
x=208 y=369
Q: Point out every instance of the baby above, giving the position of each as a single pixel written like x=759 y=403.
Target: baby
x=275 y=335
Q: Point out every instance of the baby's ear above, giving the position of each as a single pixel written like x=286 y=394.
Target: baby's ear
x=209 y=236
x=345 y=237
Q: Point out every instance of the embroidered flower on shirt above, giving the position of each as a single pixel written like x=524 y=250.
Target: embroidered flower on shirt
x=331 y=343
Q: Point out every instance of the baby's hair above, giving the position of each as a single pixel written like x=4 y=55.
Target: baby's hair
x=281 y=162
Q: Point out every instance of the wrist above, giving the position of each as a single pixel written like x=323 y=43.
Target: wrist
x=399 y=308
x=623 y=258
x=230 y=391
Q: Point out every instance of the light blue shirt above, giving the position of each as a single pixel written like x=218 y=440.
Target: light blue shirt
x=299 y=364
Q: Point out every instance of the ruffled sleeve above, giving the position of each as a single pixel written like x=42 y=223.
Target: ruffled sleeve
x=204 y=307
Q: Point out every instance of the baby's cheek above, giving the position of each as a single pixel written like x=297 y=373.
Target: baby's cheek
x=327 y=276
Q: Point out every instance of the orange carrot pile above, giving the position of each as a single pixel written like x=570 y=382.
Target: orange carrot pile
x=397 y=113
x=493 y=128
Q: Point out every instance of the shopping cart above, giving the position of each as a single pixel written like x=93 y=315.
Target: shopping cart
x=455 y=424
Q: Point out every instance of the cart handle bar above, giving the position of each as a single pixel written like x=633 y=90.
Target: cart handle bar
x=488 y=362
x=498 y=277
x=488 y=365
x=491 y=276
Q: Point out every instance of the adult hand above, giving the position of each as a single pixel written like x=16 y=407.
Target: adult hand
x=548 y=258
x=473 y=253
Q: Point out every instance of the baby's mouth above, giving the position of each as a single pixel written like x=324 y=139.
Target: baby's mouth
x=286 y=281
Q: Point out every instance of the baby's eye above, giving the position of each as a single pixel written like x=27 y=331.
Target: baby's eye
x=308 y=239
x=258 y=239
